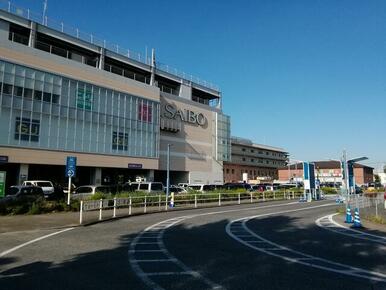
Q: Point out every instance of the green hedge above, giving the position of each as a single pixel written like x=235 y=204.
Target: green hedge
x=38 y=206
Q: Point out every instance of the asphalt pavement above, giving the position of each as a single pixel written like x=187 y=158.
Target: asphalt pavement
x=189 y=250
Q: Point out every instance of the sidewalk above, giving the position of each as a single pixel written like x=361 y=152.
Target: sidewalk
x=368 y=227
x=18 y=223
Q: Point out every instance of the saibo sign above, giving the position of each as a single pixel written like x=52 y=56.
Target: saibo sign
x=171 y=112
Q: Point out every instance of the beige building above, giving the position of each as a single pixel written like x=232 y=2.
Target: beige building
x=253 y=162
x=65 y=94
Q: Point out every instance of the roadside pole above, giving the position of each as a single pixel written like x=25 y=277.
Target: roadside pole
x=70 y=172
x=69 y=191
x=168 y=174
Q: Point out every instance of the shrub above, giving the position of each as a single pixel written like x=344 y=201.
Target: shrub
x=329 y=190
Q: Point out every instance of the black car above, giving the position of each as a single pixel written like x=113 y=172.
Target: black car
x=233 y=186
x=22 y=193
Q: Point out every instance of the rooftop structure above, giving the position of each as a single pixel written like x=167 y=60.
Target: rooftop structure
x=103 y=54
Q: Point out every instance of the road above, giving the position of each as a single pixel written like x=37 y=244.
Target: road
x=272 y=245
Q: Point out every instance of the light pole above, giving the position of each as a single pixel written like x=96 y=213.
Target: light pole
x=168 y=172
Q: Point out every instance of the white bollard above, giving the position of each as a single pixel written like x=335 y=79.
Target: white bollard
x=239 y=198
x=251 y=197
x=115 y=208
x=130 y=206
x=81 y=212
x=195 y=201
x=219 y=199
x=100 y=209
x=159 y=202
x=144 y=206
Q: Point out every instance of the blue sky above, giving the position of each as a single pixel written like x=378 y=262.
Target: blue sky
x=305 y=75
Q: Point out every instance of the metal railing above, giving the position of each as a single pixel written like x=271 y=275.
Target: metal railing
x=370 y=205
x=65 y=53
x=92 y=39
x=126 y=73
x=16 y=37
x=168 y=90
x=112 y=208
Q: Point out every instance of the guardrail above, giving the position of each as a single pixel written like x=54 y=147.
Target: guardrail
x=373 y=204
x=128 y=206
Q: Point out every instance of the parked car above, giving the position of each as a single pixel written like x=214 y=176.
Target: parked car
x=204 y=187
x=177 y=189
x=88 y=190
x=22 y=193
x=151 y=187
x=258 y=187
x=46 y=186
x=233 y=186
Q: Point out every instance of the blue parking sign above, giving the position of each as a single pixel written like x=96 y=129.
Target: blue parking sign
x=70 y=166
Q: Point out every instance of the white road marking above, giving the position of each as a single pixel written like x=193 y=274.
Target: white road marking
x=327 y=222
x=2 y=254
x=161 y=227
x=299 y=257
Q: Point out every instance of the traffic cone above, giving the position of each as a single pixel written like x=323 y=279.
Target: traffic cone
x=357 y=219
x=349 y=219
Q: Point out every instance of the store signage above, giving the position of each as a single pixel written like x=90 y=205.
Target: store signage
x=27 y=129
x=2 y=183
x=171 y=112
x=3 y=159
x=84 y=99
x=134 y=166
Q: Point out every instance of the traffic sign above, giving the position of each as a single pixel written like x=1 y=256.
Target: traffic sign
x=70 y=166
x=70 y=173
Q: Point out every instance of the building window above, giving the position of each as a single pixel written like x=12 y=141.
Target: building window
x=38 y=95
x=7 y=89
x=252 y=151
x=233 y=171
x=243 y=149
x=120 y=141
x=243 y=159
x=144 y=113
x=252 y=160
x=18 y=91
x=27 y=129
x=227 y=170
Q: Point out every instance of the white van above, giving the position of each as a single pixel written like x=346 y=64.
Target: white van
x=152 y=187
x=46 y=186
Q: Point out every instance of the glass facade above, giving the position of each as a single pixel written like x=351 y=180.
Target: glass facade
x=48 y=111
x=223 y=137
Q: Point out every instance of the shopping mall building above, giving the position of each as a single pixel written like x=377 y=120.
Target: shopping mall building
x=64 y=93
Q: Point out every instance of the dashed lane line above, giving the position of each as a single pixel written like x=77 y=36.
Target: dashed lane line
x=279 y=251
x=327 y=222
x=159 y=253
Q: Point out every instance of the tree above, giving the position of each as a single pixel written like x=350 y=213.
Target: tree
x=377 y=179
